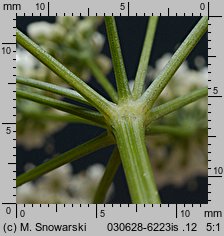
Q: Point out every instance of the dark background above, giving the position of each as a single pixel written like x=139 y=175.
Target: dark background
x=170 y=32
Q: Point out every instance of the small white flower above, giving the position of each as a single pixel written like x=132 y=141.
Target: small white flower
x=98 y=41
x=45 y=30
x=61 y=186
x=67 y=21
x=25 y=62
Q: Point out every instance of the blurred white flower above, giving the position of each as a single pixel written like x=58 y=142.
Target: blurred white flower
x=43 y=30
x=28 y=66
x=98 y=41
x=61 y=186
x=71 y=40
x=178 y=159
x=67 y=21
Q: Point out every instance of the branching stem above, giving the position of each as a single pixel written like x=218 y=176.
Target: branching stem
x=92 y=96
x=119 y=68
x=155 y=89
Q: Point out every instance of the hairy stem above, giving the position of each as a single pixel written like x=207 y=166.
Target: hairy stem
x=130 y=137
x=72 y=155
x=145 y=56
x=52 y=116
x=176 y=104
x=119 y=68
x=92 y=96
x=63 y=106
x=157 y=86
x=178 y=131
x=68 y=93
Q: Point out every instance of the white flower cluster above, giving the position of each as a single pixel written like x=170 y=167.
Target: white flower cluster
x=61 y=186
x=32 y=131
x=178 y=159
x=71 y=40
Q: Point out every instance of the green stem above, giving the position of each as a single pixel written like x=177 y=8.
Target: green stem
x=119 y=68
x=157 y=86
x=178 y=131
x=102 y=80
x=176 y=104
x=66 y=118
x=72 y=155
x=108 y=177
x=87 y=92
x=130 y=137
x=63 y=106
x=69 y=93
x=145 y=56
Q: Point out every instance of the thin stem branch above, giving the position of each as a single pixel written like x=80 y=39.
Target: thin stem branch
x=108 y=177
x=63 y=106
x=74 y=154
x=66 y=118
x=102 y=80
x=178 y=131
x=176 y=104
x=68 y=93
x=130 y=137
x=157 y=86
x=119 y=68
x=145 y=56
x=87 y=92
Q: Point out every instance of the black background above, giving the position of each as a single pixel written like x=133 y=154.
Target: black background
x=170 y=32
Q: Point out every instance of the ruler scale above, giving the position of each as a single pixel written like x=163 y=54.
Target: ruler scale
x=20 y=219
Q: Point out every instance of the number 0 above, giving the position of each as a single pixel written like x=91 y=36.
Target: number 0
x=8 y=210
x=202 y=6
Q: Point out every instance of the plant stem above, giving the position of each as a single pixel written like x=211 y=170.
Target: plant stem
x=66 y=118
x=87 y=92
x=69 y=93
x=145 y=56
x=74 y=154
x=178 y=131
x=102 y=80
x=130 y=137
x=176 y=104
x=108 y=177
x=157 y=86
x=63 y=106
x=119 y=68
